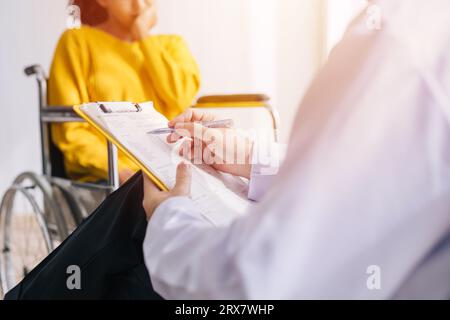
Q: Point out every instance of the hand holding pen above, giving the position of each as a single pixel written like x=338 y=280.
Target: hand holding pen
x=218 y=124
x=221 y=146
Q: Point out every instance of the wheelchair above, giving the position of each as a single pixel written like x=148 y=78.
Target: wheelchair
x=39 y=211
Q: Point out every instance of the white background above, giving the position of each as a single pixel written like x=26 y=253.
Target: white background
x=269 y=46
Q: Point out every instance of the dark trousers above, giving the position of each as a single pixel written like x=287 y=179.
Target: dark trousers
x=107 y=249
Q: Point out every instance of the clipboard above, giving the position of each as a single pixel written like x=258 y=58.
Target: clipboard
x=78 y=110
x=219 y=197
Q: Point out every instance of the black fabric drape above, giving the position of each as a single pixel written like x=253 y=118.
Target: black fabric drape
x=107 y=247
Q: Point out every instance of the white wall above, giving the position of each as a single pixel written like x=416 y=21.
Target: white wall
x=268 y=46
x=28 y=32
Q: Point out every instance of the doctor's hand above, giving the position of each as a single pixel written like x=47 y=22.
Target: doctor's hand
x=223 y=149
x=153 y=197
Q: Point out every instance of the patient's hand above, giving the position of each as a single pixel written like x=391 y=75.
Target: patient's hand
x=145 y=22
x=223 y=149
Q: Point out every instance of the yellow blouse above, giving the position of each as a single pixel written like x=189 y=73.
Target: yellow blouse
x=91 y=65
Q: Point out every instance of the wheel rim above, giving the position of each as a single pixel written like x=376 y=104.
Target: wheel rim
x=54 y=211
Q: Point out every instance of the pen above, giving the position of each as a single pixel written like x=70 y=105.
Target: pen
x=227 y=123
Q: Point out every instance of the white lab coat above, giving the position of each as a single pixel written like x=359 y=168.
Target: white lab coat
x=366 y=181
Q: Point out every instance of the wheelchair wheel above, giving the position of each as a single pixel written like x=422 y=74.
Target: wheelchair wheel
x=31 y=226
x=25 y=239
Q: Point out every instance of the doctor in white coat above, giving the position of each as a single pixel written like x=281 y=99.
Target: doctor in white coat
x=364 y=192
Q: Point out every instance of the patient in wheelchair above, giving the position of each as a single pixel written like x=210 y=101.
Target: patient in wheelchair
x=114 y=56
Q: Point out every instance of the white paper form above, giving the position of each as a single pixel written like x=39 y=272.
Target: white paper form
x=219 y=197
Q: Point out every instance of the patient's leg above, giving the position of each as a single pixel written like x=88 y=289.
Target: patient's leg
x=107 y=248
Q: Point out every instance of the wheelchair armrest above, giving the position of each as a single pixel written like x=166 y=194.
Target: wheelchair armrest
x=59 y=115
x=241 y=101
x=233 y=98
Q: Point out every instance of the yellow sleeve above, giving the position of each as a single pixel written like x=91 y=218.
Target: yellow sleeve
x=84 y=150
x=173 y=71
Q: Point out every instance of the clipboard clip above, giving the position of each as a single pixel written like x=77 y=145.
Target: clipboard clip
x=121 y=109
